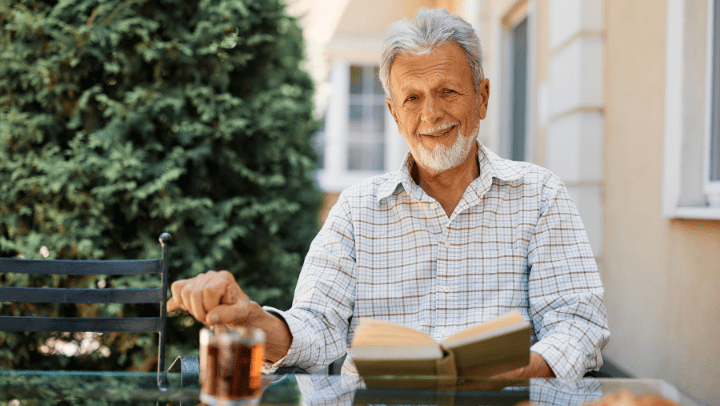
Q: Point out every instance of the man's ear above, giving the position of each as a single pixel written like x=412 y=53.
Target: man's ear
x=391 y=107
x=483 y=95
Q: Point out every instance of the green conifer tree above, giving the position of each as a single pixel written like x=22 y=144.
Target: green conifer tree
x=122 y=119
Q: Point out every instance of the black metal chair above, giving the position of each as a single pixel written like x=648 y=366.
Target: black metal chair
x=83 y=295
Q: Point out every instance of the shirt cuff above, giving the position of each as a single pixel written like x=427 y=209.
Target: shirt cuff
x=563 y=354
x=294 y=353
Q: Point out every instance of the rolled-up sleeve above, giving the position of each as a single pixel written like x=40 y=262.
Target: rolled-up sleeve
x=564 y=289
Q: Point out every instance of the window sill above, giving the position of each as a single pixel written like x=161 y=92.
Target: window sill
x=336 y=182
x=696 y=212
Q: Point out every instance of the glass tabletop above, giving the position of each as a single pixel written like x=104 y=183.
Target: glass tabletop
x=115 y=388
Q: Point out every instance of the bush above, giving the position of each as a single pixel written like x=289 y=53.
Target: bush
x=122 y=119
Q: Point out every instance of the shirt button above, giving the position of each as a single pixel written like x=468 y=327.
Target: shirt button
x=446 y=244
x=434 y=206
x=446 y=289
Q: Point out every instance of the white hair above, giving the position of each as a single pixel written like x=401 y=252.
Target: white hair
x=429 y=29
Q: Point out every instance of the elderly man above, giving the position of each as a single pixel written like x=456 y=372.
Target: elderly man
x=457 y=236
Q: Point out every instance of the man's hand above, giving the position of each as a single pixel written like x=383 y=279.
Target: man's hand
x=537 y=368
x=215 y=298
x=211 y=298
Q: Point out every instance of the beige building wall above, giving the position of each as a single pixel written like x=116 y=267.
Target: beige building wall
x=542 y=74
x=356 y=19
x=362 y=21
x=662 y=277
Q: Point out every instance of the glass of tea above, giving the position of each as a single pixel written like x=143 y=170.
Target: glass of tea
x=231 y=361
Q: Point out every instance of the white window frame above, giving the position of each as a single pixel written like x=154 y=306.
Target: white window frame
x=675 y=170
x=335 y=175
x=712 y=188
x=503 y=136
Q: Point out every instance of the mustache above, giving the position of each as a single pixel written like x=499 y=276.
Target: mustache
x=439 y=128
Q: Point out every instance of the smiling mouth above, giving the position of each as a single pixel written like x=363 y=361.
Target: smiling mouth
x=439 y=131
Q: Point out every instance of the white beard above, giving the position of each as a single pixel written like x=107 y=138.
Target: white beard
x=442 y=158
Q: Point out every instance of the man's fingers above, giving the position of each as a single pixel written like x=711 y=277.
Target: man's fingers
x=231 y=292
x=213 y=293
x=192 y=295
x=172 y=305
x=228 y=314
x=176 y=299
x=196 y=300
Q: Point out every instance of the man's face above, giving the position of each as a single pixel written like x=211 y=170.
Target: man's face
x=436 y=105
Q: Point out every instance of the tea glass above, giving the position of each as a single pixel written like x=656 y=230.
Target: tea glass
x=231 y=361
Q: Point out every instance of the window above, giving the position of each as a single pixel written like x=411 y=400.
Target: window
x=517 y=125
x=691 y=162
x=712 y=186
x=359 y=137
x=515 y=139
x=366 y=129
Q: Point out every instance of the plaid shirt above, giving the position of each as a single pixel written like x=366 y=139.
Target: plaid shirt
x=388 y=251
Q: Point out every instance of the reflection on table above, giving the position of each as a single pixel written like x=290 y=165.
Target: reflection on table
x=59 y=387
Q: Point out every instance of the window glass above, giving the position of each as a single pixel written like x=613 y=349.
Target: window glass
x=378 y=118
x=378 y=89
x=715 y=126
x=356 y=80
x=366 y=121
x=318 y=143
x=519 y=94
x=356 y=118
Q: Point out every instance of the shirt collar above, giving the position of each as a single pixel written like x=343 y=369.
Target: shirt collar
x=491 y=166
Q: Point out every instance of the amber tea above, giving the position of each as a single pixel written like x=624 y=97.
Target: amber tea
x=230 y=365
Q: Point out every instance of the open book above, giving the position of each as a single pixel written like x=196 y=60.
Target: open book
x=498 y=345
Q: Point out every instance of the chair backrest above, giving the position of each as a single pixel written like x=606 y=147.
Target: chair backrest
x=89 y=295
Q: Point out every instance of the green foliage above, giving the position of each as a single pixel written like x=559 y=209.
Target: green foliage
x=92 y=388
x=122 y=119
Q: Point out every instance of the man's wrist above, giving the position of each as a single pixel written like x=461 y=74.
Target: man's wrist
x=278 y=337
x=536 y=368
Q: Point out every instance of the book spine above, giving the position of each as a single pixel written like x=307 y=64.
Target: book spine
x=446 y=370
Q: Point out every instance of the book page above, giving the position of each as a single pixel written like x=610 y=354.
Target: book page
x=376 y=332
x=502 y=324
x=394 y=352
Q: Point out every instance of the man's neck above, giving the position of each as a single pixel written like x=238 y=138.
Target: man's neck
x=448 y=187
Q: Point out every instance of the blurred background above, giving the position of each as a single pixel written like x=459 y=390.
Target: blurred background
x=121 y=120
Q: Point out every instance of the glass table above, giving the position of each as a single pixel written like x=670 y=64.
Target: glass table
x=114 y=388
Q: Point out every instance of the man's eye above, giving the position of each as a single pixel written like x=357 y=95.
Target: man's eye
x=449 y=91
x=411 y=98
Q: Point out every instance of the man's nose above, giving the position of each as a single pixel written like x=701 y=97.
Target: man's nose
x=432 y=110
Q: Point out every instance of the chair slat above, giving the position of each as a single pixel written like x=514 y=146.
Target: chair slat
x=80 y=324
x=74 y=295
x=67 y=295
x=79 y=267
